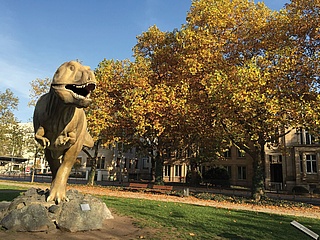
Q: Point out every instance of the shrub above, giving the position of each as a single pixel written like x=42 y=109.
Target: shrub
x=193 y=177
x=205 y=196
x=299 y=190
x=316 y=191
x=217 y=176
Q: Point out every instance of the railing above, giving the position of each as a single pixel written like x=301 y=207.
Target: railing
x=27 y=177
x=277 y=186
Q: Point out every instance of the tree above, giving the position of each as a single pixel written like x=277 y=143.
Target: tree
x=106 y=117
x=257 y=73
x=140 y=107
x=123 y=103
x=303 y=41
x=8 y=123
x=94 y=160
x=236 y=72
x=185 y=126
x=38 y=88
x=147 y=102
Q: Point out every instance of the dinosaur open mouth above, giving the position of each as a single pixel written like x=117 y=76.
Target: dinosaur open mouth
x=81 y=90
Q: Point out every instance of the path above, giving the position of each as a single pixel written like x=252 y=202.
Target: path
x=312 y=212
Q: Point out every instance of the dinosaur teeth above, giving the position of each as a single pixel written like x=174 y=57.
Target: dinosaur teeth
x=78 y=91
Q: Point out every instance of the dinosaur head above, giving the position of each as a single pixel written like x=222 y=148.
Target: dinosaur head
x=73 y=83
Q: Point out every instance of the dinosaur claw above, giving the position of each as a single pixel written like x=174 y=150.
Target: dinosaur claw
x=49 y=199
x=57 y=197
x=45 y=143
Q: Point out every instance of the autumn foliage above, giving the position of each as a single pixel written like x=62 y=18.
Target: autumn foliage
x=235 y=72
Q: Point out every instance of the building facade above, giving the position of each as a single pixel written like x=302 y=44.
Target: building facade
x=238 y=165
x=116 y=163
x=296 y=162
x=293 y=161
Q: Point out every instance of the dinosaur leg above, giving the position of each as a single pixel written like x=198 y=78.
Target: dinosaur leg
x=59 y=183
x=54 y=164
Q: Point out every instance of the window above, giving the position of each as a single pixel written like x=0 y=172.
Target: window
x=189 y=153
x=311 y=161
x=275 y=159
x=242 y=173
x=305 y=137
x=101 y=162
x=79 y=161
x=241 y=153
x=179 y=153
x=125 y=163
x=89 y=162
x=227 y=153
x=203 y=169
x=118 y=162
x=167 y=153
x=228 y=168
x=167 y=170
x=146 y=162
x=301 y=163
x=178 y=170
x=309 y=138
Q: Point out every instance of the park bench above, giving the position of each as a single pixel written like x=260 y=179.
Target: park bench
x=138 y=186
x=161 y=188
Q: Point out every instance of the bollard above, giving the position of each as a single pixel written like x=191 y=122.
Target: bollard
x=186 y=192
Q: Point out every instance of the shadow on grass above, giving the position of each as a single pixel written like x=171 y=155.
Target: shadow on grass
x=9 y=194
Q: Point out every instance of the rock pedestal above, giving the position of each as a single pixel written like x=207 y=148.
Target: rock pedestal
x=31 y=212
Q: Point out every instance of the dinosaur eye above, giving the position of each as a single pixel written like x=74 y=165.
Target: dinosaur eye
x=72 y=67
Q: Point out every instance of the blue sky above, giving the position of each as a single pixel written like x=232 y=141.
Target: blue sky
x=37 y=36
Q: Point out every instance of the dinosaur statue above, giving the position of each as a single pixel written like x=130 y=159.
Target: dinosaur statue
x=60 y=123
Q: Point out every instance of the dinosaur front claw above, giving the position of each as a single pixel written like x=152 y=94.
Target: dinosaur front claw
x=46 y=143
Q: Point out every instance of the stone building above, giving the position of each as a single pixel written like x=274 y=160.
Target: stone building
x=293 y=161
x=296 y=162
x=116 y=163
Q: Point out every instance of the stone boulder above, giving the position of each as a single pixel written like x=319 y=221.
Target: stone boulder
x=31 y=212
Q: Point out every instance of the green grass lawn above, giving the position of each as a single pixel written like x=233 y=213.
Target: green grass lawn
x=185 y=221
x=7 y=193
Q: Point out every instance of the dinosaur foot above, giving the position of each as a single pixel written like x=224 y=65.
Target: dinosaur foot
x=57 y=195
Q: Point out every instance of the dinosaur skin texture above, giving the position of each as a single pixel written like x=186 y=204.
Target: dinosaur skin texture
x=60 y=123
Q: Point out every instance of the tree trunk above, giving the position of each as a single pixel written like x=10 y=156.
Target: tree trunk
x=258 y=188
x=195 y=177
x=93 y=169
x=92 y=172
x=32 y=175
x=153 y=170
x=158 y=169
x=257 y=181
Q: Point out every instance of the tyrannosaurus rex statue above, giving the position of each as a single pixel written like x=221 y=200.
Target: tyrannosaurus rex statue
x=60 y=123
